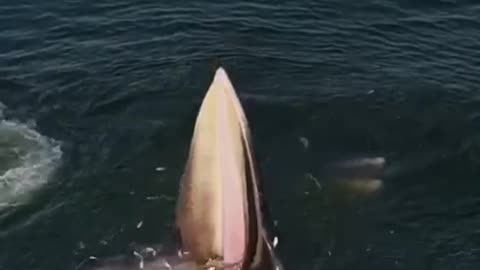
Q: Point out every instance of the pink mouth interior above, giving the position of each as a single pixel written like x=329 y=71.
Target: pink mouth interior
x=234 y=223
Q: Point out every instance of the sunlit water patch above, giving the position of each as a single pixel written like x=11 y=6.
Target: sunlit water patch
x=27 y=160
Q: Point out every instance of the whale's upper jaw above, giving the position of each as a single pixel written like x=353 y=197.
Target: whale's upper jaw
x=218 y=210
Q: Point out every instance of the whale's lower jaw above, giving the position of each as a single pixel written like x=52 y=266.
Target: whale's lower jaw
x=219 y=214
x=212 y=212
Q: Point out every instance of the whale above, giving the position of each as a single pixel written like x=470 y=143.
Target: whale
x=221 y=220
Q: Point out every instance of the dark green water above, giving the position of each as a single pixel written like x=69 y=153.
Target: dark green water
x=117 y=85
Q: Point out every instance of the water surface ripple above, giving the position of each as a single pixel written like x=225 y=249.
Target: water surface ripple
x=119 y=82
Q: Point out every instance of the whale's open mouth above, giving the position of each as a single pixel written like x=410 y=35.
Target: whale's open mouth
x=218 y=212
x=215 y=194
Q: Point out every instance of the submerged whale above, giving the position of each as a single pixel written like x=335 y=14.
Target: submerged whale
x=220 y=216
x=355 y=176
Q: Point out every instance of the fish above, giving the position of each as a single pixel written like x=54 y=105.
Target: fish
x=220 y=211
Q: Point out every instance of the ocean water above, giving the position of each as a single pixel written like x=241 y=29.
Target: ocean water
x=96 y=95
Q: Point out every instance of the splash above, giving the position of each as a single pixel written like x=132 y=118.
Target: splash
x=27 y=160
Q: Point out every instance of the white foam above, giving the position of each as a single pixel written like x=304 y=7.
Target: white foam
x=30 y=160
